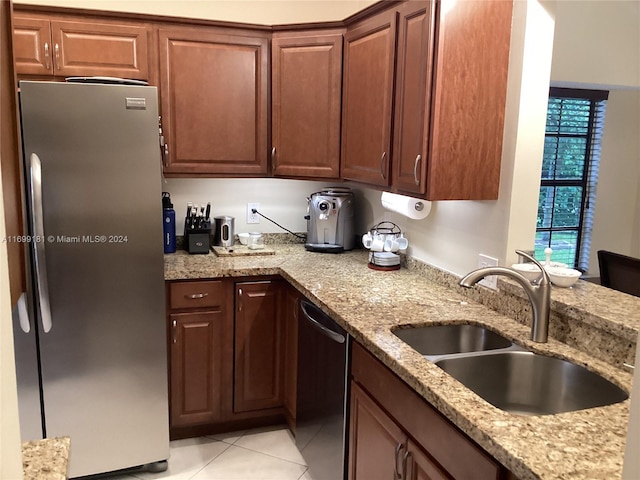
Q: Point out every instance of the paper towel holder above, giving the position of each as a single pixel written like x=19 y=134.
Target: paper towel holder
x=411 y=207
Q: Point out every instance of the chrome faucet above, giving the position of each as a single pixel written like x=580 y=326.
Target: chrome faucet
x=539 y=293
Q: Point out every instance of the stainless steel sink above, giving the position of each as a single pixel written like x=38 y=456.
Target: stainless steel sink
x=450 y=339
x=530 y=384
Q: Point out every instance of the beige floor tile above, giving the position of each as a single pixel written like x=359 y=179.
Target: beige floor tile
x=187 y=458
x=275 y=441
x=238 y=463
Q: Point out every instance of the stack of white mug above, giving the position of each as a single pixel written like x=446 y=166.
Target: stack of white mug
x=381 y=242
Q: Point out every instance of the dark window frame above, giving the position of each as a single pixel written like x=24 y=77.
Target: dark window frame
x=594 y=97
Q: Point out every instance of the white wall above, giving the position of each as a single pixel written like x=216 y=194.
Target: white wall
x=597 y=45
x=10 y=450
x=617 y=209
x=281 y=200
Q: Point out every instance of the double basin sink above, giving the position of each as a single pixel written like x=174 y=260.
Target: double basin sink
x=508 y=376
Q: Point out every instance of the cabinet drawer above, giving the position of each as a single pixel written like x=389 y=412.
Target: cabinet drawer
x=196 y=294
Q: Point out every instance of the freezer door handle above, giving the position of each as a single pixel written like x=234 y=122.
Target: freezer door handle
x=42 y=286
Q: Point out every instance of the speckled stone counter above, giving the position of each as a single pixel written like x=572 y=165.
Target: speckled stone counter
x=46 y=459
x=586 y=444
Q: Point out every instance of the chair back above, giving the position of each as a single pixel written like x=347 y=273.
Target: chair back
x=619 y=272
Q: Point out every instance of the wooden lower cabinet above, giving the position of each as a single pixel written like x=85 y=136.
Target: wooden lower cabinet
x=200 y=335
x=380 y=448
x=196 y=367
x=227 y=349
x=395 y=431
x=258 y=352
x=290 y=315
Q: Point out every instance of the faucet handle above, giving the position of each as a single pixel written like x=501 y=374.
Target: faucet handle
x=545 y=276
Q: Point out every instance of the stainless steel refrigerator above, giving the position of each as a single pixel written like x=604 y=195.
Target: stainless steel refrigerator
x=90 y=338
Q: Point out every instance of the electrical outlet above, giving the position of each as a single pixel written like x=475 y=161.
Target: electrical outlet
x=492 y=280
x=253 y=217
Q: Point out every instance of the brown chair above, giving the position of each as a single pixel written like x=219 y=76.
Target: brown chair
x=619 y=272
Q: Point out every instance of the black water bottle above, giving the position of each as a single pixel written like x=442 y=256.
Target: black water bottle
x=168 y=224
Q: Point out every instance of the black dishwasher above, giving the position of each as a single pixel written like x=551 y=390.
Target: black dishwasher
x=321 y=408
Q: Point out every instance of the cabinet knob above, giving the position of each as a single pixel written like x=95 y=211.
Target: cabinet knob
x=56 y=50
x=415 y=169
x=47 y=56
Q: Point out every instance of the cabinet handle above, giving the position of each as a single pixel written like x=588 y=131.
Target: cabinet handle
x=47 y=56
x=196 y=296
x=397 y=475
x=273 y=158
x=164 y=147
x=405 y=457
x=56 y=49
x=415 y=169
x=240 y=298
x=382 y=164
x=175 y=325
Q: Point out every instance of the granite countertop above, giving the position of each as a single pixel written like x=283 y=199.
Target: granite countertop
x=46 y=459
x=587 y=444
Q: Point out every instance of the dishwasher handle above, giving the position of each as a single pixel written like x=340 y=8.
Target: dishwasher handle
x=335 y=336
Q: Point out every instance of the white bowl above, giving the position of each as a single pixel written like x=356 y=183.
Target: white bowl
x=529 y=270
x=244 y=238
x=563 y=277
x=556 y=265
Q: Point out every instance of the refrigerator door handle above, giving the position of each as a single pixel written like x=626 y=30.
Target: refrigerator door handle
x=35 y=181
x=22 y=313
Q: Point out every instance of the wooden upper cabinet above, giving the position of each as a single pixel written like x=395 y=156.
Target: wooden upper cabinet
x=413 y=96
x=469 y=98
x=306 y=90
x=84 y=47
x=367 y=99
x=213 y=89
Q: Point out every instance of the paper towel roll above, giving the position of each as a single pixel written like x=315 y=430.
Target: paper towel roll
x=414 y=208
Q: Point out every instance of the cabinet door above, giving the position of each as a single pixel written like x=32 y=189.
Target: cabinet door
x=290 y=315
x=412 y=96
x=369 y=59
x=306 y=91
x=417 y=465
x=196 y=367
x=214 y=102
x=376 y=443
x=258 y=346
x=468 y=110
x=86 y=48
x=47 y=46
x=32 y=47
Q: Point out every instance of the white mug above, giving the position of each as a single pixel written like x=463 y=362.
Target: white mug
x=403 y=243
x=391 y=244
x=366 y=240
x=377 y=244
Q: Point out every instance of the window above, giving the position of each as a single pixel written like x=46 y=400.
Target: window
x=570 y=174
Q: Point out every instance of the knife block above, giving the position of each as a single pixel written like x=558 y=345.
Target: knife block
x=197 y=240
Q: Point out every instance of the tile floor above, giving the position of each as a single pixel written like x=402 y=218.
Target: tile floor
x=262 y=454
